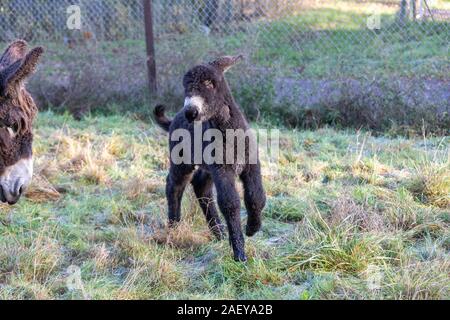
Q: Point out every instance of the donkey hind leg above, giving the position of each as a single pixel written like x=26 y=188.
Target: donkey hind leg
x=230 y=205
x=203 y=188
x=178 y=178
x=254 y=198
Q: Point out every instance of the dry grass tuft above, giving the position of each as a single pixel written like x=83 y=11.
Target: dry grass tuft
x=139 y=185
x=117 y=147
x=418 y=281
x=400 y=210
x=369 y=171
x=102 y=257
x=346 y=211
x=34 y=262
x=257 y=272
x=47 y=167
x=149 y=278
x=94 y=173
x=182 y=236
x=87 y=161
x=431 y=184
x=321 y=246
x=41 y=190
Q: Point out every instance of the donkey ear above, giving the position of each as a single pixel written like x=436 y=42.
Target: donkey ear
x=28 y=65
x=20 y=70
x=226 y=62
x=16 y=51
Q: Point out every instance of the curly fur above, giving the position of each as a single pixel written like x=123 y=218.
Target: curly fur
x=219 y=111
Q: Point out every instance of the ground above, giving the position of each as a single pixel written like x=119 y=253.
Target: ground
x=350 y=215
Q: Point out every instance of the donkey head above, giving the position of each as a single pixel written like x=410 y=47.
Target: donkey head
x=17 y=112
x=206 y=90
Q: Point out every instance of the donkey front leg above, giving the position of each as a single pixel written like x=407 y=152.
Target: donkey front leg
x=203 y=185
x=178 y=178
x=230 y=205
x=254 y=197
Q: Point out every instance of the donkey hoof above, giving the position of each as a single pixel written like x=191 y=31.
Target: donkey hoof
x=172 y=224
x=251 y=230
x=240 y=257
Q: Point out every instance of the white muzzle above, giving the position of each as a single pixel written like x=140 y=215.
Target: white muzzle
x=15 y=179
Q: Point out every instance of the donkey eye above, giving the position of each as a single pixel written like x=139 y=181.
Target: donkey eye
x=208 y=84
x=15 y=127
x=12 y=129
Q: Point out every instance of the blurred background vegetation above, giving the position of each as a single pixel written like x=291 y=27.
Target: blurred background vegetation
x=378 y=64
x=350 y=214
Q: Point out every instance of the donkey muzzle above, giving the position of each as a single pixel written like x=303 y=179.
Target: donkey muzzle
x=191 y=114
x=194 y=108
x=14 y=180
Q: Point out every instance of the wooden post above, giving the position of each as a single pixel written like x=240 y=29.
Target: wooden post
x=149 y=39
x=403 y=12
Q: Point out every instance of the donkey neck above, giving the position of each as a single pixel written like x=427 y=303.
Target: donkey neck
x=231 y=116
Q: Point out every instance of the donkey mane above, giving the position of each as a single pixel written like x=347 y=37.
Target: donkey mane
x=15 y=66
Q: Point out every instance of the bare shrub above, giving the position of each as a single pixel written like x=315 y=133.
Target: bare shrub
x=90 y=77
x=400 y=105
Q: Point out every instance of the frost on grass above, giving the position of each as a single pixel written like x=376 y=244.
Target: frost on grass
x=348 y=216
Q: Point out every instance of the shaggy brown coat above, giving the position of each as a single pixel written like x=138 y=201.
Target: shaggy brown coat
x=17 y=112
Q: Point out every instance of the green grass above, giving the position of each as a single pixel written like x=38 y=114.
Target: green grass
x=329 y=43
x=349 y=216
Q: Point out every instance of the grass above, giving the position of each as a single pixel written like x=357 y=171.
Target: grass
x=331 y=42
x=348 y=216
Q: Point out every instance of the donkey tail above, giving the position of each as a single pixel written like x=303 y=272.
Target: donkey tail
x=160 y=117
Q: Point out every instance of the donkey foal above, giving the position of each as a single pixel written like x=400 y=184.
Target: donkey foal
x=210 y=105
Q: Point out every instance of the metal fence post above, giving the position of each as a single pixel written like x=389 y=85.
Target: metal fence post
x=149 y=39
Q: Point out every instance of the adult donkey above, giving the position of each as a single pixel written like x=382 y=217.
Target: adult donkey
x=17 y=112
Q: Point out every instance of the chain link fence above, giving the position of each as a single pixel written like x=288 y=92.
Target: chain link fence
x=114 y=20
x=307 y=53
